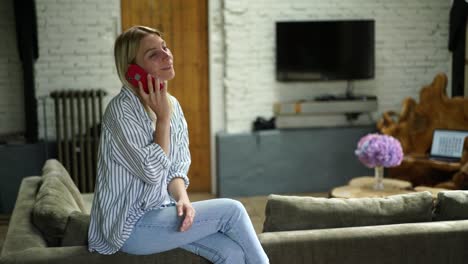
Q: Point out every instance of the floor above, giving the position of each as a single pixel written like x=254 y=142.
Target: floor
x=255 y=206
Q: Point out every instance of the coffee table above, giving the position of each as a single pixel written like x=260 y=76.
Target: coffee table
x=363 y=187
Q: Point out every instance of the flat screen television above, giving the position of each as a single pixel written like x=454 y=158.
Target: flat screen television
x=324 y=50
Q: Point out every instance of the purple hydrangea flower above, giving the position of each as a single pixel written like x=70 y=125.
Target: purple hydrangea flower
x=379 y=150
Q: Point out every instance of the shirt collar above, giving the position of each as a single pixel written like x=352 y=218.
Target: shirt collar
x=136 y=102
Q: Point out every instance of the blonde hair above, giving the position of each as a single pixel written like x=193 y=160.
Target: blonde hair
x=125 y=50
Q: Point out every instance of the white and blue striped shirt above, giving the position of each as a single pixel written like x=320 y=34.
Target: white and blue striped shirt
x=133 y=172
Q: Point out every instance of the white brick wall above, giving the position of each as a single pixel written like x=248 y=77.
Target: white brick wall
x=76 y=41
x=216 y=61
x=411 y=47
x=11 y=74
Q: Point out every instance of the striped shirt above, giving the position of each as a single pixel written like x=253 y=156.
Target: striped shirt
x=133 y=172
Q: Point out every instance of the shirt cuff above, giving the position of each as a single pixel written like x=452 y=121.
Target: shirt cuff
x=182 y=176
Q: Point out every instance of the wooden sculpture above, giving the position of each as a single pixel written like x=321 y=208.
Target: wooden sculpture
x=414 y=128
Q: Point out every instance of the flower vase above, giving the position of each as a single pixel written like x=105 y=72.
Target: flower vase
x=378 y=177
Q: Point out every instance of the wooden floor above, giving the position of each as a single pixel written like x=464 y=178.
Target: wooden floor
x=255 y=206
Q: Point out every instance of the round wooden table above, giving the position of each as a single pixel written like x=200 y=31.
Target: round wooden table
x=368 y=182
x=364 y=187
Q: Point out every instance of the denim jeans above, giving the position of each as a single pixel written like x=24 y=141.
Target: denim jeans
x=221 y=232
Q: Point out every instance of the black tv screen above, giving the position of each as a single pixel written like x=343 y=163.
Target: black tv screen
x=325 y=50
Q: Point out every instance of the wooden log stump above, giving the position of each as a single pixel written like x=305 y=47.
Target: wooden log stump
x=414 y=127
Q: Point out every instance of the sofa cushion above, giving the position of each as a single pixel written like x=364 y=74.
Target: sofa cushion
x=285 y=213
x=76 y=231
x=53 y=168
x=451 y=205
x=54 y=203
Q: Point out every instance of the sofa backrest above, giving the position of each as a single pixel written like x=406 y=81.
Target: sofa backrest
x=451 y=205
x=286 y=213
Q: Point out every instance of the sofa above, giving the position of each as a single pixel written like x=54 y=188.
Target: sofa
x=50 y=219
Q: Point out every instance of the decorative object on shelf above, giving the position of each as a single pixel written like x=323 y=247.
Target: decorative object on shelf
x=262 y=123
x=378 y=151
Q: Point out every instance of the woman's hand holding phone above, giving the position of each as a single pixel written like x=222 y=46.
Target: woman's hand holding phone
x=156 y=99
x=136 y=73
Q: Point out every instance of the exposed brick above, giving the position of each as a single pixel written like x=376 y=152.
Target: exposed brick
x=78 y=49
x=411 y=47
x=77 y=36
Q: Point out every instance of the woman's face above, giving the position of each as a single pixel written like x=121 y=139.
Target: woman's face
x=155 y=58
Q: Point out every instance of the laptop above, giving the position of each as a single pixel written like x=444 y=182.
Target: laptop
x=447 y=145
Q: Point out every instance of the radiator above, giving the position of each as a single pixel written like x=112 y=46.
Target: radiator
x=78 y=116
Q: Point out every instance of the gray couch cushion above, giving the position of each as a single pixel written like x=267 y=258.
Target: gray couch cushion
x=451 y=205
x=76 y=232
x=54 y=203
x=285 y=213
x=22 y=234
x=53 y=168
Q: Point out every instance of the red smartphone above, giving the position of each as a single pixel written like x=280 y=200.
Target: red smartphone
x=135 y=73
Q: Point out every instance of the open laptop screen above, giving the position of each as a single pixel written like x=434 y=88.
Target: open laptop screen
x=448 y=143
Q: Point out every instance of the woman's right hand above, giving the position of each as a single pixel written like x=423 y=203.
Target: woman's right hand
x=156 y=99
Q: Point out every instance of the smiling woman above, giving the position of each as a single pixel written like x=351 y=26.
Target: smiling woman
x=140 y=204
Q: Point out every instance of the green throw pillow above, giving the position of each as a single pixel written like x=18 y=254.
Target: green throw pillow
x=285 y=213
x=53 y=168
x=451 y=205
x=76 y=232
x=53 y=205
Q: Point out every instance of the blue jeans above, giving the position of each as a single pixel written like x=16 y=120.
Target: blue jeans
x=221 y=232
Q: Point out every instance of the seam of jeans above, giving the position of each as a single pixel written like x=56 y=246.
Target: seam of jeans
x=173 y=225
x=230 y=232
x=210 y=250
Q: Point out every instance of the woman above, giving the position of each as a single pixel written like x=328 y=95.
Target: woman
x=140 y=204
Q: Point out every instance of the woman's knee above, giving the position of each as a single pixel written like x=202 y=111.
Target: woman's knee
x=232 y=204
